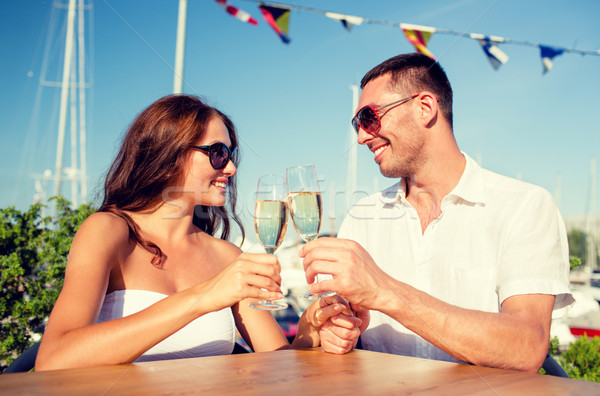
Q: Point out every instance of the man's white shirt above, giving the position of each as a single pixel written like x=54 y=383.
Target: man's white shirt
x=496 y=237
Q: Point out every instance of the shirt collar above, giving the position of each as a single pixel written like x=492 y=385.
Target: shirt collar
x=469 y=187
x=394 y=194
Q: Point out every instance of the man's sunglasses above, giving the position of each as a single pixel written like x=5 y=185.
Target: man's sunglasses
x=369 y=119
x=219 y=154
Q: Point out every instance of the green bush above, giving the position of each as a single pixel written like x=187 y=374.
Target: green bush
x=582 y=359
x=33 y=257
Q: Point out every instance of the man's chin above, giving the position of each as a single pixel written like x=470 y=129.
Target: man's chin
x=390 y=173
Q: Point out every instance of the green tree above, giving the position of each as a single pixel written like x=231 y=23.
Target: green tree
x=33 y=257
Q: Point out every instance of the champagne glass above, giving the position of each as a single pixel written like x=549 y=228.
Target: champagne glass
x=306 y=208
x=270 y=223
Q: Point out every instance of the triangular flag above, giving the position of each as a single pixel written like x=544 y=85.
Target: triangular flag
x=548 y=53
x=348 y=21
x=418 y=36
x=278 y=18
x=237 y=13
x=495 y=55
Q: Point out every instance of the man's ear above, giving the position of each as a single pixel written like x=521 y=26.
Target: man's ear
x=428 y=108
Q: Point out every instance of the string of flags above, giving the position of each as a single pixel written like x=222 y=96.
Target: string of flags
x=277 y=17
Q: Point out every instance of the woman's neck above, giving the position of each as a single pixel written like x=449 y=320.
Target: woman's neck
x=167 y=221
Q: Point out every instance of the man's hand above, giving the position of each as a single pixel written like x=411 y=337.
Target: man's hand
x=356 y=277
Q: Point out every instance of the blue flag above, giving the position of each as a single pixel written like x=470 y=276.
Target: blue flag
x=495 y=55
x=548 y=53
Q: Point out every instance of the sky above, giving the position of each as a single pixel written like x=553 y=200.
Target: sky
x=292 y=104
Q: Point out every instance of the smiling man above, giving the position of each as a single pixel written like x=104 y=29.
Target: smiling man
x=456 y=262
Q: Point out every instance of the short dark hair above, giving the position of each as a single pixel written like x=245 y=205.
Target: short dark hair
x=415 y=72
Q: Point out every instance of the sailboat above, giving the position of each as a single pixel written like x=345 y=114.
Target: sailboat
x=584 y=316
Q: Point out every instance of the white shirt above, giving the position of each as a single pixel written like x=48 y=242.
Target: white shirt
x=496 y=237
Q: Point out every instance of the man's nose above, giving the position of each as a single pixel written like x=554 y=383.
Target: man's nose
x=363 y=137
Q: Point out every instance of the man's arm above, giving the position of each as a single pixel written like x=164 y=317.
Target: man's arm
x=516 y=338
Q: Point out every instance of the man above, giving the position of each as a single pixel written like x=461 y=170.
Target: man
x=456 y=262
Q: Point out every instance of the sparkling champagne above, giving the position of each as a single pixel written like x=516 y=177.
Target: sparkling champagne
x=306 y=211
x=270 y=222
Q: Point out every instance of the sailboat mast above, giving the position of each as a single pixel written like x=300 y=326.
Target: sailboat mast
x=591 y=243
x=352 y=155
x=82 y=118
x=64 y=96
x=180 y=48
x=72 y=171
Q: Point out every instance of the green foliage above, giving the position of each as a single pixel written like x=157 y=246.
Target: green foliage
x=575 y=262
x=582 y=359
x=33 y=257
x=553 y=348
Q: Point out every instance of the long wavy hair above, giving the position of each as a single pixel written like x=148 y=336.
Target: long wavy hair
x=153 y=156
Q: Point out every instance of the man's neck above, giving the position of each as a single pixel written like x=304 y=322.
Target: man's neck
x=436 y=179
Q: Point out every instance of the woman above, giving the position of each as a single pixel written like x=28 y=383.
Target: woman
x=147 y=280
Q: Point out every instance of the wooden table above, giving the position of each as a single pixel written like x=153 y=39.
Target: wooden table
x=290 y=372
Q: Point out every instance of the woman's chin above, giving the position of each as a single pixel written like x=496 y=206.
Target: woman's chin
x=214 y=202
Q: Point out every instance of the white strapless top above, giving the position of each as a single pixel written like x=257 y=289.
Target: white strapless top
x=209 y=335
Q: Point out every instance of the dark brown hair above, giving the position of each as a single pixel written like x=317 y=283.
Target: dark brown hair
x=152 y=157
x=412 y=73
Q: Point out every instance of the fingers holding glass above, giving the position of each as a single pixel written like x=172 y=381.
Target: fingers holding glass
x=306 y=208
x=270 y=223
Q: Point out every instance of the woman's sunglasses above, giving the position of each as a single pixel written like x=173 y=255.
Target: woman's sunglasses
x=369 y=120
x=219 y=154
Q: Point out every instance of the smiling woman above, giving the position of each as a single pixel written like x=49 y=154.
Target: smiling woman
x=146 y=272
x=152 y=159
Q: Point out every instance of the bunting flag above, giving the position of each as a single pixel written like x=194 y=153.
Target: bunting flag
x=278 y=18
x=237 y=13
x=495 y=55
x=548 y=53
x=418 y=36
x=348 y=21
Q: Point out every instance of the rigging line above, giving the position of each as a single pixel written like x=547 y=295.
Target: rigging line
x=142 y=38
x=437 y=30
x=28 y=151
x=169 y=65
x=469 y=28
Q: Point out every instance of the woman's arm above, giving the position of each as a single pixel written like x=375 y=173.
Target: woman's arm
x=74 y=339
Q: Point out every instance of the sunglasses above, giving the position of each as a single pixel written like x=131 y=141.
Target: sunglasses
x=219 y=154
x=369 y=120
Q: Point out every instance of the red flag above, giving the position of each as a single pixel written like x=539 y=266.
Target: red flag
x=237 y=13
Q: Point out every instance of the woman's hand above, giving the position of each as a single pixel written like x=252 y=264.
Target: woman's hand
x=251 y=275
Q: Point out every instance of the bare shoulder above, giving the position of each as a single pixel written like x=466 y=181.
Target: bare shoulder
x=226 y=248
x=106 y=219
x=104 y=230
x=224 y=251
